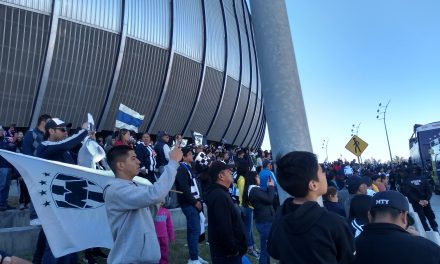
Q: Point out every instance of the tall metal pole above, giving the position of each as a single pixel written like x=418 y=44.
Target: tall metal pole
x=280 y=85
x=388 y=140
x=383 y=110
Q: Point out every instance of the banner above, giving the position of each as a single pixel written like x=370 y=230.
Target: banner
x=128 y=118
x=68 y=200
x=199 y=139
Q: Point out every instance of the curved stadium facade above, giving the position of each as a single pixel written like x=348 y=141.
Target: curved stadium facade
x=184 y=64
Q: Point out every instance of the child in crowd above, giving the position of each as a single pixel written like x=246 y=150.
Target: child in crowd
x=304 y=232
x=164 y=231
x=331 y=201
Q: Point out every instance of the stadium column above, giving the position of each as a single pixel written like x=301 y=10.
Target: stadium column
x=281 y=89
x=38 y=103
x=117 y=70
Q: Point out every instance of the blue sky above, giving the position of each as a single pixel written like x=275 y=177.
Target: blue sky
x=351 y=55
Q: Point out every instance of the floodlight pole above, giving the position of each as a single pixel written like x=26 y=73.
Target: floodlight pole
x=385 y=124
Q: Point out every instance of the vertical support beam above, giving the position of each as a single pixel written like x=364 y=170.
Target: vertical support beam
x=202 y=76
x=240 y=73
x=38 y=103
x=250 y=72
x=283 y=101
x=168 y=76
x=117 y=71
x=254 y=114
x=225 y=75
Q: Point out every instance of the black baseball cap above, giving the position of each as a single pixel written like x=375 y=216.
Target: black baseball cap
x=216 y=167
x=391 y=199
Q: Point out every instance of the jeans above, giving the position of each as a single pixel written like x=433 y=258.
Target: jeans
x=264 y=229
x=192 y=230
x=248 y=214
x=5 y=183
x=49 y=258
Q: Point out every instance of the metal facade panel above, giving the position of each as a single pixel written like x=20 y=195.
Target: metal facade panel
x=252 y=52
x=181 y=95
x=239 y=115
x=149 y=21
x=140 y=83
x=104 y=14
x=245 y=63
x=233 y=42
x=261 y=133
x=188 y=28
x=81 y=72
x=215 y=39
x=247 y=120
x=226 y=110
x=211 y=92
x=23 y=42
x=38 y=5
x=256 y=131
x=254 y=124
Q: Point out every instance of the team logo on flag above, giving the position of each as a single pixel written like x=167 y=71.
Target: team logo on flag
x=75 y=192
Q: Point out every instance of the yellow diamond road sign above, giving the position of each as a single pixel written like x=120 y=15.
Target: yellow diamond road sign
x=356 y=145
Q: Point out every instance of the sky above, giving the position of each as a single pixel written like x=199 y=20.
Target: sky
x=352 y=55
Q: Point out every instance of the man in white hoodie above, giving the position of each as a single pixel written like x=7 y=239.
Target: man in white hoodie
x=127 y=205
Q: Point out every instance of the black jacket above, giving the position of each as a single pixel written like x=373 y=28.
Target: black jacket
x=388 y=243
x=183 y=184
x=160 y=158
x=226 y=232
x=262 y=201
x=417 y=188
x=308 y=233
x=335 y=208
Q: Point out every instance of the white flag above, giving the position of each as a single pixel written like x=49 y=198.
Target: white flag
x=68 y=200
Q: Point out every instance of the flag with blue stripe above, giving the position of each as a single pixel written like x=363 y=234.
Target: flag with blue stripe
x=128 y=118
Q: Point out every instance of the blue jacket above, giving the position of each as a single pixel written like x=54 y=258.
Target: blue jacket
x=31 y=140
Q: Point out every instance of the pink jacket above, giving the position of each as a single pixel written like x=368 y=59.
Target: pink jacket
x=164 y=224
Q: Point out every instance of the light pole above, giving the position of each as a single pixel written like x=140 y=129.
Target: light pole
x=325 y=146
x=355 y=129
x=382 y=110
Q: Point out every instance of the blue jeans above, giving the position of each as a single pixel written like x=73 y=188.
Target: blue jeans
x=192 y=230
x=5 y=183
x=264 y=229
x=248 y=215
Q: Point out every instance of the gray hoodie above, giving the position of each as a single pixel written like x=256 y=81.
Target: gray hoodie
x=130 y=219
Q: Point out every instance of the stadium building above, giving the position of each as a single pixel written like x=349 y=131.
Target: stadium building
x=184 y=64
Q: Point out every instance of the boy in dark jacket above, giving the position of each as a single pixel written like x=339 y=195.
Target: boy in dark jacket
x=304 y=232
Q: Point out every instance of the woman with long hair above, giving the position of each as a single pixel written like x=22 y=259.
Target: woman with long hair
x=262 y=201
x=123 y=138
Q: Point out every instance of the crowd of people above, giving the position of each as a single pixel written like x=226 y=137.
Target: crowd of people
x=364 y=212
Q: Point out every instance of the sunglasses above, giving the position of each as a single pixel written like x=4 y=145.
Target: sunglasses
x=62 y=129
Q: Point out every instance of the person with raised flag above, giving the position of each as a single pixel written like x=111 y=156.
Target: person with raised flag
x=57 y=148
x=127 y=205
